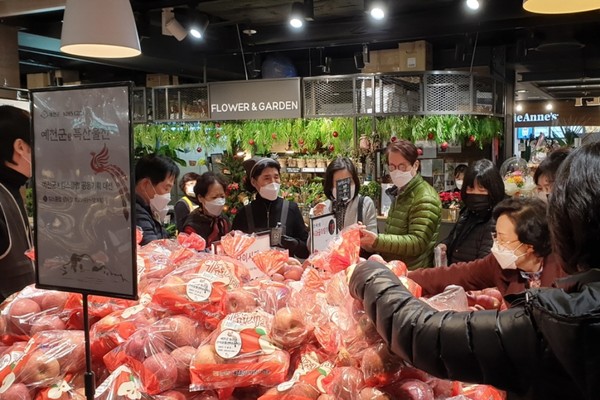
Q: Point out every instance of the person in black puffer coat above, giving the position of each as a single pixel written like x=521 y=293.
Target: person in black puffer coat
x=471 y=237
x=546 y=345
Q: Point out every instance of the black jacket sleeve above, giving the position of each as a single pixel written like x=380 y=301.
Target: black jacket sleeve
x=297 y=229
x=182 y=211
x=151 y=228
x=489 y=347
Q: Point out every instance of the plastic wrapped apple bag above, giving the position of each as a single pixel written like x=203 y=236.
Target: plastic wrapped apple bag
x=272 y=261
x=192 y=241
x=452 y=298
x=340 y=253
x=236 y=242
x=45 y=361
x=239 y=353
x=196 y=288
x=71 y=387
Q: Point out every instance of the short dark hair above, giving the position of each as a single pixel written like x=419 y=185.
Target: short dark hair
x=406 y=148
x=487 y=175
x=15 y=123
x=188 y=177
x=574 y=209
x=460 y=169
x=156 y=168
x=205 y=181
x=339 y=164
x=529 y=217
x=257 y=169
x=550 y=164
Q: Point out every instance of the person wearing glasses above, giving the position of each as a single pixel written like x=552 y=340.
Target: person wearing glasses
x=412 y=226
x=521 y=257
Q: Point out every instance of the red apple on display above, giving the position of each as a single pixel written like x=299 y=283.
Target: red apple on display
x=301 y=142
x=40 y=369
x=444 y=146
x=273 y=136
x=430 y=136
x=71 y=351
x=163 y=368
x=47 y=323
x=251 y=142
x=171 y=395
x=346 y=383
x=369 y=393
x=199 y=149
x=183 y=358
x=413 y=389
x=379 y=366
x=181 y=331
x=331 y=148
x=206 y=355
x=419 y=151
x=289 y=327
x=54 y=299
x=21 y=313
x=18 y=391
x=393 y=139
x=472 y=138
x=335 y=134
x=238 y=300
x=143 y=344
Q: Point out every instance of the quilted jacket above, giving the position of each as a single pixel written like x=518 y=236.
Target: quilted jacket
x=412 y=226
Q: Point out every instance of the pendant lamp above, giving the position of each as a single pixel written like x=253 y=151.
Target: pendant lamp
x=99 y=29
x=560 y=6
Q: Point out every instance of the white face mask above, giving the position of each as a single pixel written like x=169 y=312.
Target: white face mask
x=189 y=189
x=214 y=207
x=352 y=192
x=505 y=257
x=160 y=201
x=270 y=191
x=543 y=196
x=458 y=183
x=401 y=178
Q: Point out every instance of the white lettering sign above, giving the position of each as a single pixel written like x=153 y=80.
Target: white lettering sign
x=536 y=117
x=323 y=230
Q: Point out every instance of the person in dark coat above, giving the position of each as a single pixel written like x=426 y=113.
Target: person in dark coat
x=208 y=220
x=471 y=237
x=545 y=172
x=15 y=168
x=522 y=229
x=546 y=345
x=188 y=202
x=266 y=210
x=154 y=178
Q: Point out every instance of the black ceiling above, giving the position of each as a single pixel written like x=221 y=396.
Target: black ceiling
x=554 y=56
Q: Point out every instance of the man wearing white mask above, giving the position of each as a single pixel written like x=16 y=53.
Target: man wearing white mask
x=268 y=210
x=154 y=178
x=521 y=255
x=15 y=168
x=413 y=223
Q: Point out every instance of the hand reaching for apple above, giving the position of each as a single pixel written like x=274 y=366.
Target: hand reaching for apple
x=367 y=239
x=319 y=209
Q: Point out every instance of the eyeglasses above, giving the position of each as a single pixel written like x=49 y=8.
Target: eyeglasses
x=400 y=167
x=500 y=242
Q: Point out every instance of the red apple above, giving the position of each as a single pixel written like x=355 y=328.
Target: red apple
x=143 y=344
x=331 y=147
x=70 y=353
x=273 y=135
x=171 y=395
x=53 y=299
x=335 y=134
x=346 y=383
x=21 y=313
x=419 y=151
x=163 y=368
x=17 y=391
x=199 y=149
x=301 y=142
x=174 y=284
x=289 y=328
x=413 y=389
x=379 y=366
x=377 y=258
x=40 y=369
x=251 y=142
x=47 y=323
x=206 y=355
x=369 y=393
x=303 y=391
x=181 y=331
x=444 y=146
x=183 y=358
x=430 y=136
x=238 y=300
x=217 y=125
x=393 y=139
x=472 y=138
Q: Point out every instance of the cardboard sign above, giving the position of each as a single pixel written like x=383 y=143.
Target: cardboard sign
x=323 y=230
x=83 y=193
x=262 y=243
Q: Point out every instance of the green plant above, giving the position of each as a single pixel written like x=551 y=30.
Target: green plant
x=371 y=189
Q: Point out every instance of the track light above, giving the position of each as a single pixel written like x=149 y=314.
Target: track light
x=170 y=25
x=473 y=4
x=197 y=26
x=301 y=12
x=376 y=9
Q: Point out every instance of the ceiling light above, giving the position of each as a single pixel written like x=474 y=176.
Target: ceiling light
x=376 y=9
x=519 y=108
x=473 y=4
x=522 y=91
x=197 y=25
x=549 y=107
x=560 y=6
x=170 y=25
x=99 y=29
x=297 y=15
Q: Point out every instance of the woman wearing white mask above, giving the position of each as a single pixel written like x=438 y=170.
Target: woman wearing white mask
x=520 y=259
x=357 y=208
x=412 y=227
x=268 y=209
x=207 y=220
x=188 y=202
x=154 y=178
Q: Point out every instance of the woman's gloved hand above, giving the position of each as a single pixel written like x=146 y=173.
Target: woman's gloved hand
x=289 y=243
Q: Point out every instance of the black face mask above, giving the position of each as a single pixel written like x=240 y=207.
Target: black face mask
x=478 y=203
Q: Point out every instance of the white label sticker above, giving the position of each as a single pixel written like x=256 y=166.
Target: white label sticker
x=228 y=344
x=198 y=289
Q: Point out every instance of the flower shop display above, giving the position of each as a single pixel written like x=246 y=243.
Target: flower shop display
x=451 y=205
x=518 y=181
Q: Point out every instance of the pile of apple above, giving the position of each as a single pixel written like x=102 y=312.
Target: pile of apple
x=203 y=331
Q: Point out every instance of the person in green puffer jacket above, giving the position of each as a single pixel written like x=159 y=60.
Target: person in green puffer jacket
x=413 y=224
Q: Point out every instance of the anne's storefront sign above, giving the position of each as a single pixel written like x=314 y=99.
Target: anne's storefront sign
x=259 y=99
x=527 y=117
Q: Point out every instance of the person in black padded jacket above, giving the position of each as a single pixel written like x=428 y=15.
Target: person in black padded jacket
x=471 y=237
x=547 y=345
